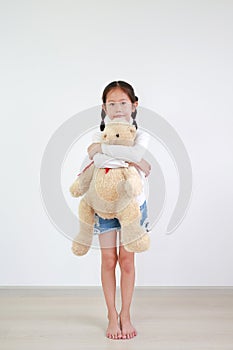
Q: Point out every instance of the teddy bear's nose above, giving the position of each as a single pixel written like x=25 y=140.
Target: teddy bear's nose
x=117 y=135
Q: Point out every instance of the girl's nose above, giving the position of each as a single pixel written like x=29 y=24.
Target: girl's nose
x=118 y=107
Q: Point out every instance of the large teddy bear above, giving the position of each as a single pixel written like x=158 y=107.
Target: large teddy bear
x=111 y=193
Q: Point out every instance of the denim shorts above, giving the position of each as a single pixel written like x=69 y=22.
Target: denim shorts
x=105 y=225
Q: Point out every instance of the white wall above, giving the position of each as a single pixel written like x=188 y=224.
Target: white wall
x=56 y=57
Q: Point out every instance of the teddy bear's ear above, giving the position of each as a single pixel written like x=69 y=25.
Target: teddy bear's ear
x=132 y=129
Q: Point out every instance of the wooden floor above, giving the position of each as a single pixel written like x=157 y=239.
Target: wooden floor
x=166 y=318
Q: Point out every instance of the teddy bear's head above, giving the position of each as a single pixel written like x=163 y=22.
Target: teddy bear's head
x=117 y=133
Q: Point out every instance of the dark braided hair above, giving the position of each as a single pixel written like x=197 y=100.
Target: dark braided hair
x=128 y=89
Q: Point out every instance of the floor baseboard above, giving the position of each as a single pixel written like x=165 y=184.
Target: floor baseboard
x=97 y=290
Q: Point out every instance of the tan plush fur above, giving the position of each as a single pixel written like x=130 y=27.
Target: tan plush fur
x=111 y=194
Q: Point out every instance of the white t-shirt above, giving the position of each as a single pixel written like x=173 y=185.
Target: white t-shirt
x=116 y=156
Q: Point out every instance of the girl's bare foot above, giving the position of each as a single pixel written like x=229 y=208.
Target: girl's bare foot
x=127 y=329
x=113 y=330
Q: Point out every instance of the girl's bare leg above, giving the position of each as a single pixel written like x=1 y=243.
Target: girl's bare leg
x=109 y=260
x=126 y=262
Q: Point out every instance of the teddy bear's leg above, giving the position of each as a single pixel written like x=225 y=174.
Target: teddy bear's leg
x=83 y=240
x=133 y=236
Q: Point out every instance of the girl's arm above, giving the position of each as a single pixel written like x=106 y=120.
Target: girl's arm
x=143 y=165
x=128 y=153
x=132 y=154
x=102 y=160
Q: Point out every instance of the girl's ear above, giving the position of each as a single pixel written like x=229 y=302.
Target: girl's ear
x=135 y=104
x=103 y=107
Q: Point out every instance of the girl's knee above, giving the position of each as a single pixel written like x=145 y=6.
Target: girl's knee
x=109 y=261
x=126 y=262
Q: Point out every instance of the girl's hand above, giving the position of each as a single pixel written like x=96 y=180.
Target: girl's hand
x=144 y=166
x=93 y=149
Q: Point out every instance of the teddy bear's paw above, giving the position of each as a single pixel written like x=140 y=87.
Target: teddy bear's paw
x=75 y=194
x=74 y=190
x=140 y=245
x=129 y=189
x=79 y=249
x=132 y=189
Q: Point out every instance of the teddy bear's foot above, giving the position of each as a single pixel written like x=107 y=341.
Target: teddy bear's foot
x=140 y=245
x=80 y=249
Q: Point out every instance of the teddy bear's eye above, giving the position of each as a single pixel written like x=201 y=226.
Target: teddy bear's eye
x=105 y=135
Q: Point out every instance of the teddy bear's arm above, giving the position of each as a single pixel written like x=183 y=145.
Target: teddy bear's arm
x=133 y=183
x=82 y=183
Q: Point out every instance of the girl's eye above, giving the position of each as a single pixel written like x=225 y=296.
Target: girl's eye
x=111 y=104
x=123 y=103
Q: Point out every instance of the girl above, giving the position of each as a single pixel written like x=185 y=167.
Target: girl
x=119 y=101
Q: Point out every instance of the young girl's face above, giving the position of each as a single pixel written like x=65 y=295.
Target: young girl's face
x=119 y=105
